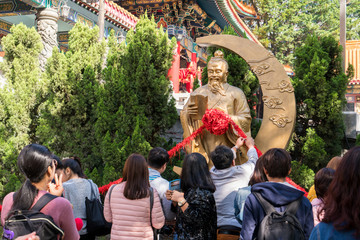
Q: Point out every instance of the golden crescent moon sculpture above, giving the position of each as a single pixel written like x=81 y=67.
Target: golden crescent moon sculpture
x=278 y=94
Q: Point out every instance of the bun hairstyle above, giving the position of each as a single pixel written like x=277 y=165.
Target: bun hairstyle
x=33 y=162
x=74 y=164
x=219 y=56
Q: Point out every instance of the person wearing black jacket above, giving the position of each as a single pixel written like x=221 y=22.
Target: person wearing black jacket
x=196 y=213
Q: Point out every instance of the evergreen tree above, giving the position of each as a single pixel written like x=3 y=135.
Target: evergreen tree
x=20 y=98
x=136 y=106
x=302 y=175
x=239 y=76
x=320 y=86
x=68 y=115
x=146 y=62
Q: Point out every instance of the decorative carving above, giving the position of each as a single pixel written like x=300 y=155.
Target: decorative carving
x=271 y=126
x=47 y=28
x=273 y=102
x=262 y=69
x=283 y=86
x=280 y=120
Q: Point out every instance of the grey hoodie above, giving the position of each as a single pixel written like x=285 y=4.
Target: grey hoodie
x=227 y=182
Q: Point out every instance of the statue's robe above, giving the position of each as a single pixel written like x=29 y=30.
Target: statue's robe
x=234 y=103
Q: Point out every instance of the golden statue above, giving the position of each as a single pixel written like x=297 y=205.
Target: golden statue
x=217 y=94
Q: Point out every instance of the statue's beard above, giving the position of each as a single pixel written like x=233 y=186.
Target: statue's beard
x=216 y=86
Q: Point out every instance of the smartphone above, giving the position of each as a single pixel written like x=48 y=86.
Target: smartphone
x=174 y=185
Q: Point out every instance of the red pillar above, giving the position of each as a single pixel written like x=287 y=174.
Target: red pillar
x=175 y=68
x=193 y=69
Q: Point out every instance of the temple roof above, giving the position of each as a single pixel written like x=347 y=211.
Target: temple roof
x=232 y=11
x=113 y=13
x=200 y=17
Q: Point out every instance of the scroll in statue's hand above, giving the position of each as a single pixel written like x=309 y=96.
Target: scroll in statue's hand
x=197 y=106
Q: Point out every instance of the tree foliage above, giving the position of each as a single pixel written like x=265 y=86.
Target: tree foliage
x=77 y=108
x=239 y=76
x=20 y=98
x=302 y=174
x=357 y=141
x=283 y=25
x=136 y=106
x=68 y=115
x=314 y=150
x=320 y=86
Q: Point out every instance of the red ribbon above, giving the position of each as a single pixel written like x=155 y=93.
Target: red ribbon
x=291 y=182
x=106 y=187
x=216 y=122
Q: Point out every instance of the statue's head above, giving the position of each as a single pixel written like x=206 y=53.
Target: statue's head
x=217 y=72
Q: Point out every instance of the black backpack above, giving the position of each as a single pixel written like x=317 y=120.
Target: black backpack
x=279 y=226
x=23 y=222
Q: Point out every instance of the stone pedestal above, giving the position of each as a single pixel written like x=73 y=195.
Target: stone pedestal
x=47 y=27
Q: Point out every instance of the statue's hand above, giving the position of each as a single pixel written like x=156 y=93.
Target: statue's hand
x=192 y=109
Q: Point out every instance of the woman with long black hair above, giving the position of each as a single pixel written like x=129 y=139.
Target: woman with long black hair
x=196 y=213
x=38 y=166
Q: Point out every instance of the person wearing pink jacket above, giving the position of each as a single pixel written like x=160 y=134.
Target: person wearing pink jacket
x=127 y=205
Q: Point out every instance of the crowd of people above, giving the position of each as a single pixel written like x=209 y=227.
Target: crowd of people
x=248 y=201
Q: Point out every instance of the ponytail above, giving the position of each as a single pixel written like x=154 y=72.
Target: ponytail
x=33 y=161
x=24 y=198
x=75 y=166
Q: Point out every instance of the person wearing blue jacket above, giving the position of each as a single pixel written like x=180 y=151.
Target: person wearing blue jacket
x=279 y=193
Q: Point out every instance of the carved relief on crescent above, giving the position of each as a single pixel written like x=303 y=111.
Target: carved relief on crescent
x=273 y=102
x=261 y=61
x=262 y=69
x=280 y=120
x=283 y=86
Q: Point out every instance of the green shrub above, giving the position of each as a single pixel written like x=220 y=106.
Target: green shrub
x=314 y=150
x=357 y=142
x=302 y=175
